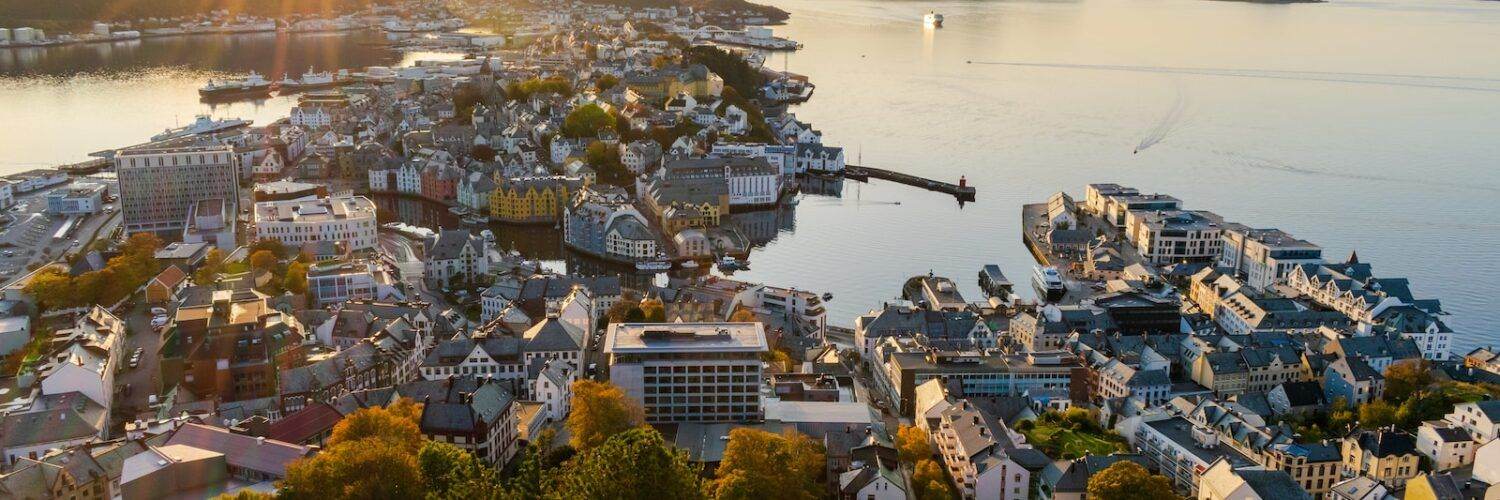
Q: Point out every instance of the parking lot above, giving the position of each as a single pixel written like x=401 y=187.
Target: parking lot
x=27 y=233
x=143 y=380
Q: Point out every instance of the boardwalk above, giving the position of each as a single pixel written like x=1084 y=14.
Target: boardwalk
x=962 y=191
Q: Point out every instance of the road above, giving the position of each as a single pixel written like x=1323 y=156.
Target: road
x=143 y=380
x=409 y=262
x=27 y=236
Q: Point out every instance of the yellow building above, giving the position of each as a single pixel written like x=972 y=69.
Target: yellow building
x=530 y=200
x=1388 y=456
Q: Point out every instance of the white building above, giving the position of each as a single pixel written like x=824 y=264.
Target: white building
x=338 y=282
x=752 y=182
x=88 y=360
x=349 y=219
x=1173 y=236
x=313 y=117
x=689 y=372
x=1264 y=257
x=553 y=388
x=1446 y=445
x=456 y=255
x=79 y=199
x=1481 y=419
x=972 y=444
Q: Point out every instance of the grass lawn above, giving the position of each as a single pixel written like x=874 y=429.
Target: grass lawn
x=1067 y=443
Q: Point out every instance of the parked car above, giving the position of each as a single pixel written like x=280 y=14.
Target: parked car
x=159 y=311
x=158 y=321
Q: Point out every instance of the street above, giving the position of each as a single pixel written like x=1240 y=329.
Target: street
x=142 y=380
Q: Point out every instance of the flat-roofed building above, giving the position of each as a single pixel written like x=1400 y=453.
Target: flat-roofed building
x=1172 y=236
x=1264 y=256
x=161 y=180
x=350 y=219
x=689 y=372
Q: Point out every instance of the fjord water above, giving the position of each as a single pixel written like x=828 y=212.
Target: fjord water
x=1358 y=125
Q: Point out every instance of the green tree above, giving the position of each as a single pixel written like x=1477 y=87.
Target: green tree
x=268 y=244
x=600 y=410
x=296 y=278
x=1340 y=416
x=606 y=161
x=913 y=444
x=212 y=265
x=450 y=472
x=634 y=464
x=759 y=464
x=1377 y=414
x=1127 y=480
x=586 y=120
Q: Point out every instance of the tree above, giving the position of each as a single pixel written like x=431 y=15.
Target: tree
x=600 y=410
x=635 y=315
x=483 y=153
x=606 y=161
x=654 y=311
x=586 y=120
x=606 y=82
x=51 y=289
x=263 y=260
x=396 y=424
x=268 y=244
x=913 y=444
x=371 y=468
x=1377 y=414
x=742 y=315
x=296 y=278
x=1127 y=480
x=1340 y=416
x=212 y=265
x=634 y=464
x=759 y=464
x=450 y=472
x=929 y=482
x=1404 y=378
x=465 y=99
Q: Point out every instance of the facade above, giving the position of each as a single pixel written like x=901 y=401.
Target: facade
x=602 y=222
x=973 y=447
x=1481 y=419
x=1387 y=456
x=160 y=181
x=689 y=372
x=456 y=255
x=1173 y=236
x=1445 y=445
x=530 y=199
x=978 y=373
x=78 y=199
x=348 y=219
x=1264 y=256
x=231 y=345
x=338 y=282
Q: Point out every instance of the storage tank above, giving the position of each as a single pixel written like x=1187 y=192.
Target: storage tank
x=4 y=34
x=23 y=35
x=101 y=29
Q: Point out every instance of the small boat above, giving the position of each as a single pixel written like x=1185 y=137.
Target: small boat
x=827 y=296
x=458 y=210
x=1048 y=283
x=933 y=19
x=653 y=265
x=691 y=264
x=475 y=220
x=251 y=85
x=202 y=125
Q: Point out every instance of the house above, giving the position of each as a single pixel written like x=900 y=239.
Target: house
x=974 y=445
x=1445 y=444
x=1296 y=397
x=165 y=285
x=455 y=256
x=311 y=425
x=1388 y=456
x=1445 y=486
x=874 y=474
x=55 y=421
x=1359 y=488
x=247 y=458
x=1224 y=482
x=1353 y=380
x=553 y=388
x=473 y=413
x=362 y=366
x=554 y=339
x=1481 y=419
x=63 y=473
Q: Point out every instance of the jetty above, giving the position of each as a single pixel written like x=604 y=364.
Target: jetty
x=963 y=191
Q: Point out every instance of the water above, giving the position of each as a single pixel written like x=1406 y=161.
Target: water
x=1365 y=125
x=78 y=99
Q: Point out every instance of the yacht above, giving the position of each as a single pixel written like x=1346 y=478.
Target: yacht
x=933 y=19
x=653 y=265
x=251 y=84
x=202 y=125
x=1048 y=283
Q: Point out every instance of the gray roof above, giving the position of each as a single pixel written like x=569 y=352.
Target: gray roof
x=54 y=418
x=1274 y=484
x=450 y=244
x=554 y=335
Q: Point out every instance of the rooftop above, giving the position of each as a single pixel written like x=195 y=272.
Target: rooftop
x=627 y=338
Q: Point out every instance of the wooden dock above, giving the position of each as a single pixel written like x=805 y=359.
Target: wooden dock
x=962 y=190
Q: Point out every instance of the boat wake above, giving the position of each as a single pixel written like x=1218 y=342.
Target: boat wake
x=1168 y=123
x=1467 y=83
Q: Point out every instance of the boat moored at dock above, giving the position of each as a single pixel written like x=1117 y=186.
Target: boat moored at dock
x=251 y=85
x=1049 y=284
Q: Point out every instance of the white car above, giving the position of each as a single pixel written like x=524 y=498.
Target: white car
x=158 y=311
x=158 y=321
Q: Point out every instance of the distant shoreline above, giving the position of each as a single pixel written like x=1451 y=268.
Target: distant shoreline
x=1274 y=1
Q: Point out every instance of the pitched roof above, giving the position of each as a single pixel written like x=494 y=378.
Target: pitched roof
x=301 y=426
x=247 y=452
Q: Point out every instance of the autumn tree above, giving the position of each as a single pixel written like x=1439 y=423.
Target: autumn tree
x=1127 y=480
x=371 y=468
x=758 y=464
x=606 y=82
x=913 y=444
x=296 y=278
x=212 y=266
x=397 y=424
x=653 y=311
x=742 y=315
x=1403 y=379
x=450 y=472
x=600 y=410
x=271 y=245
x=929 y=483
x=52 y=289
x=634 y=464
x=263 y=260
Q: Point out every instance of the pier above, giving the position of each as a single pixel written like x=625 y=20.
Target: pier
x=962 y=190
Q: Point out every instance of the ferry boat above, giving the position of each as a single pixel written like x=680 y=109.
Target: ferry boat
x=202 y=125
x=310 y=80
x=653 y=265
x=250 y=85
x=1048 y=283
x=994 y=282
x=933 y=19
